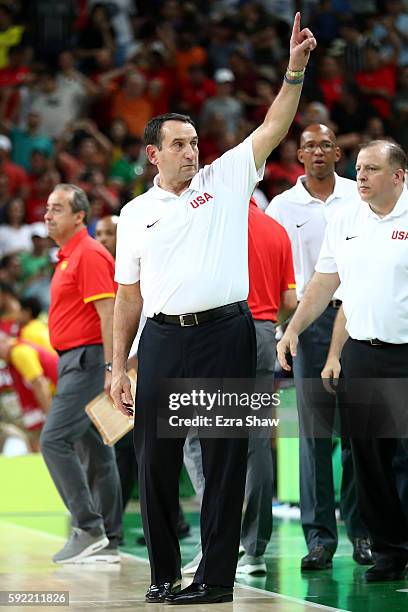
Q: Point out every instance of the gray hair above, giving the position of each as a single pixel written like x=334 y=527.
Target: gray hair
x=79 y=200
x=397 y=158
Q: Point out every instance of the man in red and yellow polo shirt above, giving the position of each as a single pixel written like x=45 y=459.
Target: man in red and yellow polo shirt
x=80 y=324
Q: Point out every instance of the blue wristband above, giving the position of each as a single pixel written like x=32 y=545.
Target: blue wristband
x=293 y=81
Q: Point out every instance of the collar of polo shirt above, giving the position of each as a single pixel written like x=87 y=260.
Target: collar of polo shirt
x=399 y=209
x=72 y=243
x=306 y=198
x=163 y=194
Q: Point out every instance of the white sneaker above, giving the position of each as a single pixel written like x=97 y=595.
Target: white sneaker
x=251 y=565
x=106 y=555
x=190 y=568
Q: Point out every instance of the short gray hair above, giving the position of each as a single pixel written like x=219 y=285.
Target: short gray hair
x=397 y=158
x=79 y=200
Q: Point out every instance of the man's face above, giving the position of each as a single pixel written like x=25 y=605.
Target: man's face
x=375 y=177
x=177 y=160
x=33 y=120
x=318 y=152
x=61 y=221
x=105 y=233
x=14 y=268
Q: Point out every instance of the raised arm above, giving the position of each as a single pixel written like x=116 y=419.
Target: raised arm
x=282 y=111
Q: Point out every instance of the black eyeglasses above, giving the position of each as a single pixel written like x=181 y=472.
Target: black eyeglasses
x=311 y=147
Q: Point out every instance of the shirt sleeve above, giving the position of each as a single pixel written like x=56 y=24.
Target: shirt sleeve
x=95 y=277
x=236 y=168
x=26 y=361
x=326 y=262
x=127 y=265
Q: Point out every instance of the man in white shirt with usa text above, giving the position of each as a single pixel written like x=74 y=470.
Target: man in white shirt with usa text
x=304 y=211
x=364 y=249
x=182 y=255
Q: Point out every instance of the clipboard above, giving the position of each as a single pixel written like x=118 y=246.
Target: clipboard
x=110 y=422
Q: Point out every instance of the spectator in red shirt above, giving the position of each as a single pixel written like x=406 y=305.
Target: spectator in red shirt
x=159 y=77
x=16 y=71
x=197 y=88
x=287 y=169
x=41 y=180
x=330 y=80
x=378 y=80
x=17 y=177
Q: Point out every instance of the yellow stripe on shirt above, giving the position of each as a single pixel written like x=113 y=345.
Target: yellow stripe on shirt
x=100 y=296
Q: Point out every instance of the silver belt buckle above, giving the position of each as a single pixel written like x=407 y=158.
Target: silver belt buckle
x=183 y=323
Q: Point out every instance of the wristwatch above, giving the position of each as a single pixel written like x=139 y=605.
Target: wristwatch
x=108 y=366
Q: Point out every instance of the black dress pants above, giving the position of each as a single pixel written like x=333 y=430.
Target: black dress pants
x=371 y=421
x=223 y=348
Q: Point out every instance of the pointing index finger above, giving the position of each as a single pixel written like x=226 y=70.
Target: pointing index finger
x=296 y=26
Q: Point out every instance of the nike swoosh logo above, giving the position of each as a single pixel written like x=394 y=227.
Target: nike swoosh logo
x=301 y=224
x=351 y=237
x=151 y=224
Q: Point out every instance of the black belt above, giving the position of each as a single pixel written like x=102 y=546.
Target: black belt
x=335 y=304
x=377 y=342
x=191 y=319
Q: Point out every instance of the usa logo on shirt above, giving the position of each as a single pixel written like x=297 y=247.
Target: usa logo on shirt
x=201 y=199
x=396 y=235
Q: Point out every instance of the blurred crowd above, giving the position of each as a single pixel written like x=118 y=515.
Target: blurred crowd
x=80 y=78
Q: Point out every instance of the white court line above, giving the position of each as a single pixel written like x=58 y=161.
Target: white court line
x=270 y=594
x=304 y=602
x=50 y=536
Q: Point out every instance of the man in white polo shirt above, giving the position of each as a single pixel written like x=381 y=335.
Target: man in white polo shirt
x=182 y=253
x=364 y=249
x=304 y=211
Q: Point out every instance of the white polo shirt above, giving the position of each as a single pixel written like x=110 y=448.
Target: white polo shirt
x=190 y=252
x=370 y=255
x=305 y=219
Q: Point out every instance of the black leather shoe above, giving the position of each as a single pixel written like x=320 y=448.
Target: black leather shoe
x=158 y=592
x=362 y=551
x=318 y=558
x=384 y=571
x=201 y=593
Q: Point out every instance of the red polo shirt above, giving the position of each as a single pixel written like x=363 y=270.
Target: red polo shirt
x=270 y=264
x=84 y=274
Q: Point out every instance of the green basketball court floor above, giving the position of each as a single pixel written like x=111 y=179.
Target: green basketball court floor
x=28 y=541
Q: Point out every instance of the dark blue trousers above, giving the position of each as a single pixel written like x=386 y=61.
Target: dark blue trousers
x=317 y=501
